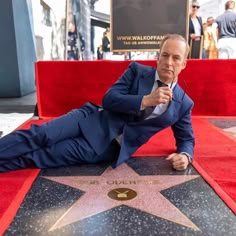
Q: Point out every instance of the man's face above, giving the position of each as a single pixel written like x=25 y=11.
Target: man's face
x=172 y=60
x=195 y=7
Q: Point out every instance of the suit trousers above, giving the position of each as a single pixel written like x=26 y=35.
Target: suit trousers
x=56 y=143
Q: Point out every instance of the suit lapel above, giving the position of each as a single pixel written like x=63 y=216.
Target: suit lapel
x=178 y=94
x=146 y=82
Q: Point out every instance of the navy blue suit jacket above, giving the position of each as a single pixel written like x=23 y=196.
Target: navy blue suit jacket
x=121 y=108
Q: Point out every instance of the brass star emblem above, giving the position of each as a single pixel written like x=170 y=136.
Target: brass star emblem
x=123 y=186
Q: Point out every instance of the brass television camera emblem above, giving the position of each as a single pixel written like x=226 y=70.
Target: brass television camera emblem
x=122 y=194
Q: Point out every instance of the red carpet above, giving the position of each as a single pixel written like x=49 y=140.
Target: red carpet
x=215 y=159
x=14 y=186
x=13 y=189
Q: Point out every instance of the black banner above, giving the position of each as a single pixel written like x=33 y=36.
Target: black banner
x=140 y=25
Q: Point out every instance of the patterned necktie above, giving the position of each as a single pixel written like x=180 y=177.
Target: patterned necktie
x=148 y=111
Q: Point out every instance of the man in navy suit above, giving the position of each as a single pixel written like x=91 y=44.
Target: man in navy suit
x=113 y=132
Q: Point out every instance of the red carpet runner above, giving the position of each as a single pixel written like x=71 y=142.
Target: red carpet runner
x=215 y=159
x=13 y=188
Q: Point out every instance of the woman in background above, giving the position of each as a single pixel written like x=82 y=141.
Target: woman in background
x=210 y=39
x=195 y=32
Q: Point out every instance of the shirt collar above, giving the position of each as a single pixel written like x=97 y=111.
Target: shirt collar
x=158 y=78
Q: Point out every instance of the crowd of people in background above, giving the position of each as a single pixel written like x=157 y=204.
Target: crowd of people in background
x=215 y=38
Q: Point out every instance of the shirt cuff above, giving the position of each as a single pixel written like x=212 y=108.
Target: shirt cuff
x=190 y=159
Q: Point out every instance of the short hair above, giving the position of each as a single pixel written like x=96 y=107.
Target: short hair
x=195 y=1
x=175 y=37
x=210 y=18
x=229 y=5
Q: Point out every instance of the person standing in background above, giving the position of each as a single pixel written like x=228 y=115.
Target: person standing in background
x=210 y=39
x=72 y=48
x=99 y=53
x=195 y=32
x=106 y=44
x=226 y=33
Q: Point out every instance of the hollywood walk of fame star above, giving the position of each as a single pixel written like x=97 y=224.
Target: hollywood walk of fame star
x=97 y=189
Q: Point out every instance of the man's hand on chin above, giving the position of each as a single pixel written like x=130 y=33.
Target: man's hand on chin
x=179 y=161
